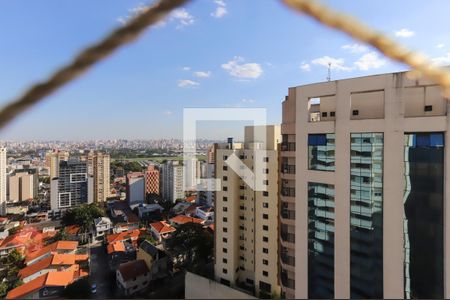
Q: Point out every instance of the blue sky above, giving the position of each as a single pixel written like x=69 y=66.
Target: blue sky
x=229 y=53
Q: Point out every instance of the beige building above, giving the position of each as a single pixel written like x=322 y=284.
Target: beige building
x=23 y=185
x=52 y=160
x=98 y=164
x=246 y=250
x=364 y=169
x=2 y=181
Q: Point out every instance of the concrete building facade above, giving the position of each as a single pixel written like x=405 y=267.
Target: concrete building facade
x=246 y=251
x=172 y=181
x=98 y=164
x=3 y=186
x=23 y=185
x=366 y=169
x=152 y=181
x=52 y=160
x=135 y=188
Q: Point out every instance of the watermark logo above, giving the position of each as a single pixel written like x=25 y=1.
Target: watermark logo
x=254 y=177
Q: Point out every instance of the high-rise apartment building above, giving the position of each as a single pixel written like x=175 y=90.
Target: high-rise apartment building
x=364 y=166
x=98 y=164
x=206 y=194
x=52 y=160
x=23 y=185
x=152 y=182
x=172 y=181
x=2 y=181
x=246 y=218
x=135 y=184
x=73 y=186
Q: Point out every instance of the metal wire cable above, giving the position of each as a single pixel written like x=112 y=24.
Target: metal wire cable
x=87 y=58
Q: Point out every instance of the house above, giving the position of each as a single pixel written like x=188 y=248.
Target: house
x=25 y=241
x=147 y=211
x=121 y=247
x=73 y=233
x=51 y=284
x=161 y=230
x=182 y=219
x=102 y=225
x=60 y=247
x=205 y=213
x=180 y=207
x=155 y=258
x=132 y=276
x=54 y=262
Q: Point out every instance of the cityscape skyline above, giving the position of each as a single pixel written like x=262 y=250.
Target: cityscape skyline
x=156 y=83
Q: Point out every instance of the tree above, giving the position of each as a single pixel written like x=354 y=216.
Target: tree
x=191 y=246
x=61 y=235
x=80 y=289
x=3 y=289
x=83 y=216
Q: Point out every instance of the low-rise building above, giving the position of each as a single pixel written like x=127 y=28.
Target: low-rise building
x=182 y=219
x=155 y=258
x=132 y=276
x=204 y=212
x=102 y=225
x=161 y=230
x=147 y=211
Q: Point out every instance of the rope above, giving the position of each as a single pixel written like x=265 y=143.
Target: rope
x=88 y=57
x=387 y=46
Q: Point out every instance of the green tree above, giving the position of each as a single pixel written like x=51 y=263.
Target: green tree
x=191 y=245
x=3 y=289
x=83 y=216
x=61 y=235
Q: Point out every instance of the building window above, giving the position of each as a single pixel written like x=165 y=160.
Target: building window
x=225 y=209
x=320 y=240
x=324 y=114
x=225 y=178
x=265 y=273
x=242 y=248
x=366 y=215
x=266 y=171
x=225 y=199
x=266 y=159
x=250 y=281
x=241 y=197
x=265 y=227
x=225 y=219
x=224 y=250
x=224 y=260
x=266 y=194
x=266 y=182
x=265 y=216
x=355 y=112
x=265 y=250
x=265 y=262
x=428 y=108
x=224 y=240
x=225 y=229
x=225 y=168
x=424 y=215
x=265 y=287
x=321 y=152
x=265 y=239
x=225 y=282
x=332 y=114
x=225 y=188
x=225 y=157
x=265 y=205
x=224 y=271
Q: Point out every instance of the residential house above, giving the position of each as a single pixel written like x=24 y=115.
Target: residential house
x=102 y=225
x=182 y=219
x=60 y=247
x=155 y=258
x=205 y=213
x=121 y=247
x=132 y=276
x=161 y=230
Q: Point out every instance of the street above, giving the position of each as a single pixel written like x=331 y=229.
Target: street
x=101 y=274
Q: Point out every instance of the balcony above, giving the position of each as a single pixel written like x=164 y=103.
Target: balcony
x=288 y=214
x=288 y=260
x=286 y=146
x=288 y=237
x=286 y=281
x=288 y=191
x=287 y=169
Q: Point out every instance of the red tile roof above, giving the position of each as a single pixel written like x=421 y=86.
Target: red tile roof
x=191 y=199
x=72 y=229
x=34 y=268
x=60 y=245
x=162 y=227
x=133 y=235
x=182 y=219
x=116 y=247
x=132 y=269
x=53 y=260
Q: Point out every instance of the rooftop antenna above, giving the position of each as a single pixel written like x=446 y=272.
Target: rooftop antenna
x=329 y=72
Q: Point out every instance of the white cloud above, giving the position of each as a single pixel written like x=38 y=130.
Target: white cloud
x=355 y=48
x=132 y=13
x=440 y=46
x=187 y=83
x=237 y=68
x=332 y=62
x=305 y=67
x=369 y=61
x=221 y=9
x=404 y=33
x=186 y=68
x=248 y=101
x=442 y=60
x=183 y=17
x=203 y=74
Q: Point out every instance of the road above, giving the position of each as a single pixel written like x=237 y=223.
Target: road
x=100 y=273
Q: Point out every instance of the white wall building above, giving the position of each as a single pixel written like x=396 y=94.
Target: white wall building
x=172 y=181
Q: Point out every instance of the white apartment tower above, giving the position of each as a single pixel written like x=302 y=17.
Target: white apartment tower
x=246 y=220
x=365 y=211
x=2 y=181
x=172 y=181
